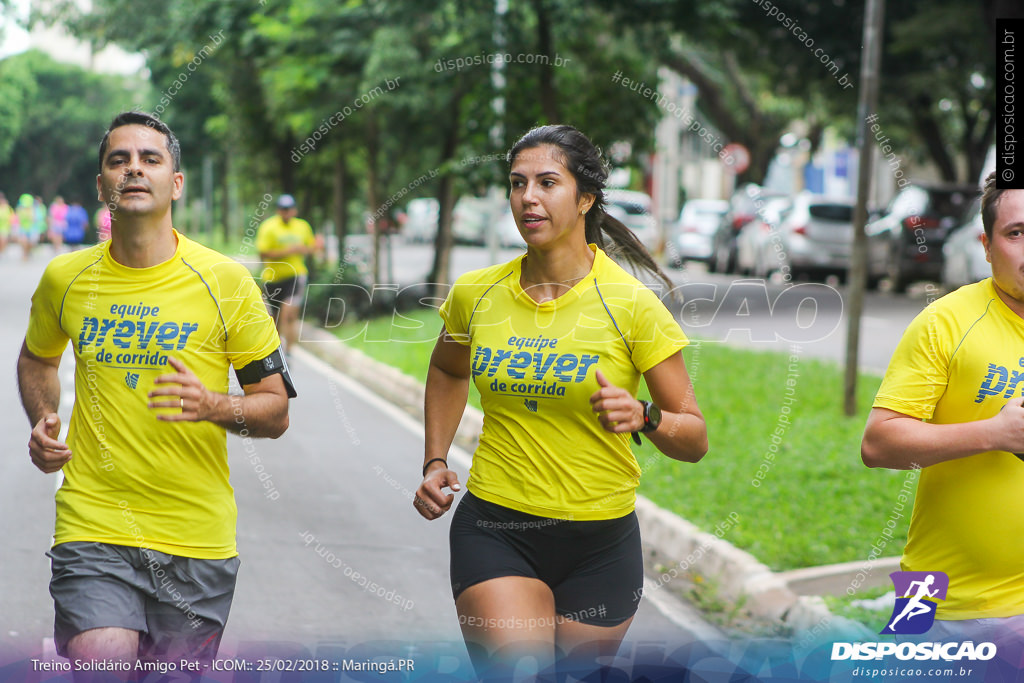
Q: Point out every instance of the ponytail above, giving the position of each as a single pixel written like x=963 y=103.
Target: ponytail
x=602 y=229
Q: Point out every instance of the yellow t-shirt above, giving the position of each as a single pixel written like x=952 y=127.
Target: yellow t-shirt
x=960 y=361
x=274 y=234
x=134 y=480
x=542 y=450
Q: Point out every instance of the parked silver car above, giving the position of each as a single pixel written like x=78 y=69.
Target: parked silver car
x=752 y=256
x=813 y=238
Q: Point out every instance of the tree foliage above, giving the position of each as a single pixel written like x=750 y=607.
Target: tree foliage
x=295 y=95
x=56 y=115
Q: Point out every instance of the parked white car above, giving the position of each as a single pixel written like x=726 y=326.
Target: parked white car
x=691 y=235
x=963 y=253
x=634 y=210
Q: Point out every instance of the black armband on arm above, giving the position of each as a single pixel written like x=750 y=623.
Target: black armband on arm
x=272 y=364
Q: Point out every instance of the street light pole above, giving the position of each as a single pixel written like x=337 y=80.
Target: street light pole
x=873 y=25
x=498 y=129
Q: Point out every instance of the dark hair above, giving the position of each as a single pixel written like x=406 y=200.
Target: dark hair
x=127 y=118
x=583 y=159
x=990 y=197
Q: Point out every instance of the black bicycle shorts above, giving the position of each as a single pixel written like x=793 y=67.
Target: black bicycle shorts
x=594 y=568
x=291 y=290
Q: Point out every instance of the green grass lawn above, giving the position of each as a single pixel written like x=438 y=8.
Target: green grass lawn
x=817 y=503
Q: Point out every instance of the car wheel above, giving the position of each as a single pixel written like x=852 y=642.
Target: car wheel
x=761 y=270
x=725 y=262
x=718 y=262
x=897 y=272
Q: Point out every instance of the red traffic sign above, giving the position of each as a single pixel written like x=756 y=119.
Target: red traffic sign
x=736 y=157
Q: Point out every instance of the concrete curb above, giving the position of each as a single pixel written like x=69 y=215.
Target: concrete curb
x=738 y=574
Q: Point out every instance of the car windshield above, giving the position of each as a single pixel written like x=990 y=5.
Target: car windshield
x=949 y=204
x=831 y=212
x=632 y=208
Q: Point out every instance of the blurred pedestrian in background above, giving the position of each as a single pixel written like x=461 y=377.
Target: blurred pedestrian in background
x=6 y=221
x=284 y=242
x=77 y=224
x=58 y=223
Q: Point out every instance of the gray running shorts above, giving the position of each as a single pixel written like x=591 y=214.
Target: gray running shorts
x=179 y=605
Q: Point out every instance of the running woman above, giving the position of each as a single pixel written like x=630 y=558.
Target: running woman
x=58 y=223
x=144 y=556
x=545 y=545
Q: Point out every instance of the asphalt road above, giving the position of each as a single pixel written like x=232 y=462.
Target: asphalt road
x=334 y=558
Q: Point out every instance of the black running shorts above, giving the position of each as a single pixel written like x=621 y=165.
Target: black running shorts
x=594 y=568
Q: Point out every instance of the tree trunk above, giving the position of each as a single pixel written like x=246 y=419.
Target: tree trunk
x=339 y=201
x=546 y=72
x=977 y=138
x=225 y=200
x=747 y=124
x=372 y=190
x=921 y=111
x=440 y=272
x=285 y=164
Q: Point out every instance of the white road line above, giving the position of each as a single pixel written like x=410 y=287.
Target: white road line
x=398 y=415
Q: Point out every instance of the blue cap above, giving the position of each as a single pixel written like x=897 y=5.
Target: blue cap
x=286 y=201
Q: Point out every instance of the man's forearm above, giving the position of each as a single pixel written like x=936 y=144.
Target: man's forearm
x=905 y=443
x=39 y=386
x=261 y=414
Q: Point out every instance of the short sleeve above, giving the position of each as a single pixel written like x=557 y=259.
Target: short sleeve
x=45 y=337
x=456 y=311
x=251 y=334
x=655 y=334
x=310 y=238
x=265 y=239
x=918 y=372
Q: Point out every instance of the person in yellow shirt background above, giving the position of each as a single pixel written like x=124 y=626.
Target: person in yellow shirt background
x=950 y=404
x=284 y=241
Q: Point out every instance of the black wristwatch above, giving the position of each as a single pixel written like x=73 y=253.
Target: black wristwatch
x=652 y=418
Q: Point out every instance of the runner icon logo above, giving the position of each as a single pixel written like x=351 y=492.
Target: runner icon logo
x=917 y=594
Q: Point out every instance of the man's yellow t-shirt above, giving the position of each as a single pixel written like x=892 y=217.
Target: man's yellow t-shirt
x=274 y=234
x=960 y=361
x=134 y=480
x=542 y=450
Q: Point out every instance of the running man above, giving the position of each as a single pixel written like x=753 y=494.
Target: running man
x=950 y=404
x=284 y=241
x=914 y=606
x=77 y=225
x=144 y=556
